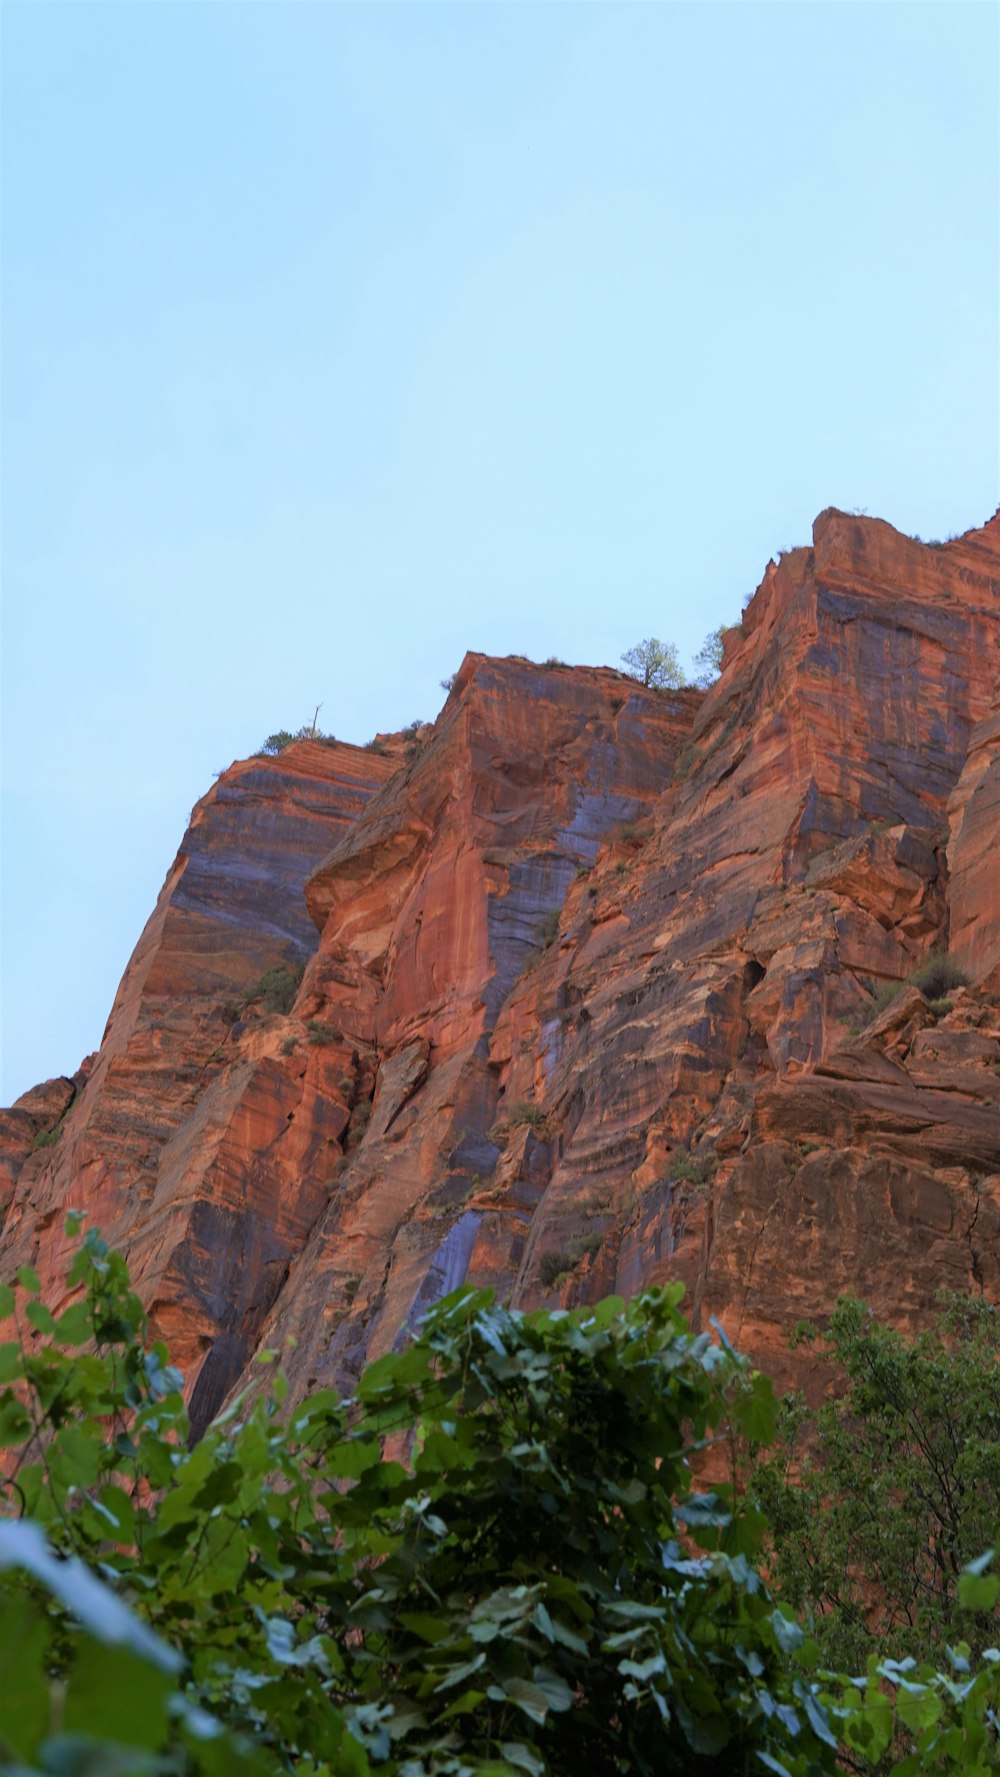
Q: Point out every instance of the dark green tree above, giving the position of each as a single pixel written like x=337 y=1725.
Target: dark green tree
x=877 y=1501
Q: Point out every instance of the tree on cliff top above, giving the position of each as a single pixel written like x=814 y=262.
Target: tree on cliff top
x=654 y=662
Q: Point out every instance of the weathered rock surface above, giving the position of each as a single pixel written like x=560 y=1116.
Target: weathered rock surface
x=594 y=998
x=168 y=1134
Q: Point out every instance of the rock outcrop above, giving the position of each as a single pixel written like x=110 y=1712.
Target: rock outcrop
x=598 y=990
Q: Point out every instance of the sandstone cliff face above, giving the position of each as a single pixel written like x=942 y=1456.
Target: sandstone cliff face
x=163 y=1142
x=593 y=1002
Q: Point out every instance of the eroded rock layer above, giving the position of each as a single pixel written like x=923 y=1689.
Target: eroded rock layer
x=603 y=994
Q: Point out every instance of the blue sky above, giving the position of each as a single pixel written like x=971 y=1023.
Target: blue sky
x=339 y=339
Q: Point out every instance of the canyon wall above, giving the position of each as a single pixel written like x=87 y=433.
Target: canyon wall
x=596 y=992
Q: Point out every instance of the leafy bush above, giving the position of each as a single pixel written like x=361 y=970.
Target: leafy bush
x=322 y=1033
x=376 y=746
x=276 y=743
x=276 y=990
x=938 y=975
x=553 y=1266
x=517 y=1114
x=322 y=1608
x=531 y=1584
x=692 y=1169
x=878 y=1500
x=688 y=757
x=934 y=977
x=46 y=1138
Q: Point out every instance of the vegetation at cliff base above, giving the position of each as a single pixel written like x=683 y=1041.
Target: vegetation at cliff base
x=876 y=1502
x=492 y=1559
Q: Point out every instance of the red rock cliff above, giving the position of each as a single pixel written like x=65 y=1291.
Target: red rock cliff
x=594 y=998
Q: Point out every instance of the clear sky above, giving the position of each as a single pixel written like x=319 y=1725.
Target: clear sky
x=339 y=339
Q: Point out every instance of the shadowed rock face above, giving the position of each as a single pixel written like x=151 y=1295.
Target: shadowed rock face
x=593 y=1002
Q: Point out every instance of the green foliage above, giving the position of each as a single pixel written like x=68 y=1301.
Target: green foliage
x=376 y=746
x=523 y=1580
x=654 y=662
x=322 y=1033
x=935 y=978
x=276 y=990
x=708 y=660
x=692 y=1169
x=554 y=1265
x=277 y=742
x=938 y=975
x=877 y=1501
x=688 y=757
x=524 y=1593
x=46 y=1138
x=520 y=1112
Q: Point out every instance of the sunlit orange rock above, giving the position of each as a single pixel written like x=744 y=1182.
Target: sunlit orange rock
x=598 y=992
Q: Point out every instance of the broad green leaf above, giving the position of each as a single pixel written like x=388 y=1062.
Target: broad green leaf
x=10 y=1361
x=24 y=1685
x=755 y=1411
x=15 y=1423
x=29 y=1279
x=529 y=1697
x=115 y=1695
x=978 y=1591
x=918 y=1708
x=523 y=1758
x=40 y=1317
x=425 y=1626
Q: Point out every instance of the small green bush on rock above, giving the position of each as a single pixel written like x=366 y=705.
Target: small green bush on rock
x=276 y=990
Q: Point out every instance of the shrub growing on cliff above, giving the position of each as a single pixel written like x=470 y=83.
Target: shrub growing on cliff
x=936 y=977
x=277 y=742
x=276 y=990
